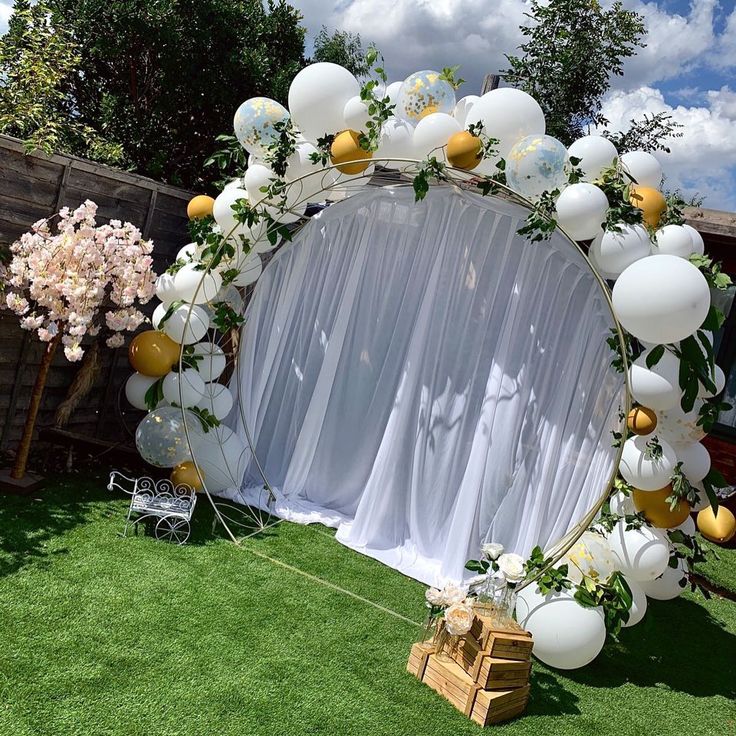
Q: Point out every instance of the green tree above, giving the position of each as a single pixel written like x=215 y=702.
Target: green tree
x=37 y=61
x=571 y=51
x=341 y=47
x=164 y=77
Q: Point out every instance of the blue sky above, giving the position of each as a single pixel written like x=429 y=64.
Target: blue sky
x=688 y=67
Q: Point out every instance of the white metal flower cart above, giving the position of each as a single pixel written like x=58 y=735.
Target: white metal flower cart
x=173 y=506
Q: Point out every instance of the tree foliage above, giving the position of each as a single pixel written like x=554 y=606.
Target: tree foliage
x=37 y=61
x=341 y=47
x=572 y=49
x=647 y=134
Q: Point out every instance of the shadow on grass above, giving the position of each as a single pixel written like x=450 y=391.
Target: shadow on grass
x=679 y=646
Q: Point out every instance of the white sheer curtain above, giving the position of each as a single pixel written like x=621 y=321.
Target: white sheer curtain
x=423 y=378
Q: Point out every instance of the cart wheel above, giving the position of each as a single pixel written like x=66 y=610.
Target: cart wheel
x=172 y=529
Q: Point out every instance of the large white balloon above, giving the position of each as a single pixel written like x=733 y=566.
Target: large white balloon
x=615 y=251
x=581 y=210
x=161 y=437
x=186 y=329
x=184 y=389
x=642 y=554
x=217 y=400
x=673 y=240
x=661 y=299
x=638 y=604
x=667 y=586
x=135 y=389
x=697 y=238
x=643 y=168
x=462 y=108
x=507 y=114
x=317 y=98
x=680 y=427
x=566 y=634
x=432 y=133
x=695 y=460
x=595 y=152
x=536 y=164
x=223 y=458
x=396 y=142
x=213 y=360
x=643 y=469
x=657 y=387
x=223 y=212
x=197 y=286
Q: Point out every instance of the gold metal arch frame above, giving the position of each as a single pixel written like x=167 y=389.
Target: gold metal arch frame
x=252 y=520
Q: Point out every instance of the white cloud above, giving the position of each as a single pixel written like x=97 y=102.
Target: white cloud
x=703 y=161
x=6 y=10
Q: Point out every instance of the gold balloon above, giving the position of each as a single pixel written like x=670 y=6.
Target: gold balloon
x=718 y=529
x=200 y=206
x=153 y=353
x=346 y=148
x=186 y=474
x=650 y=201
x=464 y=150
x=641 y=420
x=656 y=508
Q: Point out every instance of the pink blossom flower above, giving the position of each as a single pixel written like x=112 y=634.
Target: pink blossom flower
x=115 y=341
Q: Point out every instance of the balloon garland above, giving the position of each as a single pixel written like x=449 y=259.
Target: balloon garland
x=634 y=544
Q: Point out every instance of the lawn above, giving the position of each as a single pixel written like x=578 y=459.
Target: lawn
x=103 y=635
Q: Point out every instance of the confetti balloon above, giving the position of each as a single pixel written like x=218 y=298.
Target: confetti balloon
x=254 y=123
x=536 y=164
x=423 y=93
x=161 y=436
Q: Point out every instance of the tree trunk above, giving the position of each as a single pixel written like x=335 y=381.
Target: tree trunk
x=21 y=459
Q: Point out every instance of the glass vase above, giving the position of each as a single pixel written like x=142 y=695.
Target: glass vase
x=443 y=642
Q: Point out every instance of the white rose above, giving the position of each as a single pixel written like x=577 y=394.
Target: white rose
x=492 y=550
x=453 y=594
x=458 y=619
x=512 y=567
x=434 y=597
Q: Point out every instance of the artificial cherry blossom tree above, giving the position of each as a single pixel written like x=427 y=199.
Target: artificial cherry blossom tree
x=72 y=281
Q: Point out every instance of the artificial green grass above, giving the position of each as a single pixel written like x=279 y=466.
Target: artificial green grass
x=103 y=635
x=720 y=568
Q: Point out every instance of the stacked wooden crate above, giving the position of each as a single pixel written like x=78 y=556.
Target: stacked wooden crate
x=484 y=674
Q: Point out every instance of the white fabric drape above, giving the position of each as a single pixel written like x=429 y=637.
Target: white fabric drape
x=423 y=378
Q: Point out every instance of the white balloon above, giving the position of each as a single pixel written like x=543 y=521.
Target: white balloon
x=397 y=141
x=695 y=460
x=615 y=251
x=182 y=328
x=250 y=270
x=719 y=379
x=661 y=299
x=638 y=604
x=643 y=168
x=581 y=210
x=317 y=98
x=697 y=238
x=158 y=315
x=348 y=184
x=222 y=209
x=392 y=92
x=621 y=504
x=642 y=554
x=298 y=164
x=673 y=240
x=188 y=253
x=135 y=389
x=643 y=471
x=680 y=427
x=356 y=114
x=213 y=360
x=432 y=133
x=566 y=634
x=223 y=458
x=462 y=108
x=256 y=177
x=507 y=114
x=657 y=387
x=217 y=400
x=596 y=153
x=238 y=183
x=688 y=526
x=165 y=289
x=703 y=503
x=667 y=586
x=184 y=389
x=197 y=286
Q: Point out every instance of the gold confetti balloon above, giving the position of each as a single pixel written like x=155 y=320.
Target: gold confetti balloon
x=255 y=122
x=423 y=93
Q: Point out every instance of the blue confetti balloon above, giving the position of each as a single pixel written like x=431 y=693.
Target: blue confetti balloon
x=254 y=124
x=537 y=164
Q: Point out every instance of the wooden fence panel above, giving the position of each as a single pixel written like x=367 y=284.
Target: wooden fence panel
x=36 y=186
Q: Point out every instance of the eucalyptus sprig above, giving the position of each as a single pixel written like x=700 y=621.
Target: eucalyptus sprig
x=488 y=144
x=709 y=413
x=613 y=595
x=540 y=223
x=206 y=419
x=225 y=318
x=621 y=359
x=155 y=394
x=430 y=169
x=380 y=109
x=616 y=185
x=449 y=75
x=712 y=481
x=322 y=155
x=688 y=548
x=674 y=214
x=548 y=578
x=682 y=489
x=282 y=147
x=653 y=449
x=697 y=367
x=712 y=271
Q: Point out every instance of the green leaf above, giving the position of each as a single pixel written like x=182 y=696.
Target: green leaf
x=654 y=356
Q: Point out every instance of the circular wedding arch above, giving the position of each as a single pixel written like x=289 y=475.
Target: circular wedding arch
x=333 y=187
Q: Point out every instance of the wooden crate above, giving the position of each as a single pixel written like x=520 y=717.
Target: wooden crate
x=494 y=673
x=451 y=681
x=511 y=642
